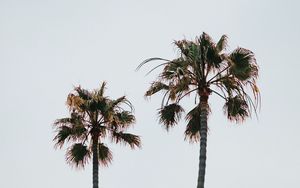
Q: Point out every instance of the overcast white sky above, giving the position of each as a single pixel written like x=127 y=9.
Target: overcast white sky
x=47 y=47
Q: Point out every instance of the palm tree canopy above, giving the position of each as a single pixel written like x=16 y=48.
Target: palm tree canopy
x=204 y=67
x=93 y=115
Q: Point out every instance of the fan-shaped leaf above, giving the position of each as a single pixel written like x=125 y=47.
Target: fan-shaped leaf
x=170 y=114
x=236 y=109
x=192 y=132
x=126 y=138
x=244 y=65
x=78 y=155
x=104 y=154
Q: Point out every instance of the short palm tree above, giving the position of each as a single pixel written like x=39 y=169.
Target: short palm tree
x=203 y=67
x=93 y=117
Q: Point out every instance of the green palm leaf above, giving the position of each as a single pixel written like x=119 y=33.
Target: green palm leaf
x=236 y=109
x=170 y=114
x=105 y=155
x=193 y=126
x=78 y=155
x=244 y=65
x=126 y=138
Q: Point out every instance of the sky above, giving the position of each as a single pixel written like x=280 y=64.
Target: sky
x=48 y=47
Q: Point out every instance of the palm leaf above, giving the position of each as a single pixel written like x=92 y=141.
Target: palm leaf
x=244 y=65
x=100 y=92
x=105 y=155
x=170 y=114
x=63 y=121
x=124 y=119
x=126 y=138
x=64 y=133
x=149 y=60
x=83 y=93
x=236 y=109
x=193 y=127
x=222 y=43
x=156 y=87
x=78 y=155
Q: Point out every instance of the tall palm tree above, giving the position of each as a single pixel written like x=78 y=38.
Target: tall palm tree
x=94 y=117
x=204 y=68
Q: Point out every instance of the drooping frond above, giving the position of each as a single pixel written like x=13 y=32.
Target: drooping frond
x=105 y=155
x=156 y=87
x=236 y=109
x=244 y=65
x=230 y=84
x=126 y=138
x=64 y=133
x=78 y=155
x=170 y=114
x=69 y=129
x=193 y=126
x=149 y=60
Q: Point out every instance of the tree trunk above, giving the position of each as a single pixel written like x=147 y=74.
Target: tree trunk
x=203 y=140
x=95 y=163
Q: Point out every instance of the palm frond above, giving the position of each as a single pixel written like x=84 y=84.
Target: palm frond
x=75 y=102
x=192 y=132
x=230 y=84
x=104 y=154
x=126 y=138
x=118 y=101
x=156 y=87
x=124 y=119
x=72 y=132
x=174 y=69
x=64 y=133
x=213 y=59
x=62 y=121
x=183 y=46
x=78 y=155
x=205 y=41
x=244 y=65
x=170 y=114
x=100 y=92
x=236 y=109
x=222 y=43
x=149 y=60
x=83 y=93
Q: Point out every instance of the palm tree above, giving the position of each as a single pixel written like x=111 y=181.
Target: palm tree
x=203 y=68
x=94 y=117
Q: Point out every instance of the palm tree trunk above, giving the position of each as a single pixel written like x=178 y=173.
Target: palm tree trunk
x=95 y=163
x=203 y=140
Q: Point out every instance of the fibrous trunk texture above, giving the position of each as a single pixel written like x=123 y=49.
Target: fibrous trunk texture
x=95 y=163
x=203 y=140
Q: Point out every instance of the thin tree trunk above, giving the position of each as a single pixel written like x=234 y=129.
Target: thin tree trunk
x=95 y=163
x=203 y=140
